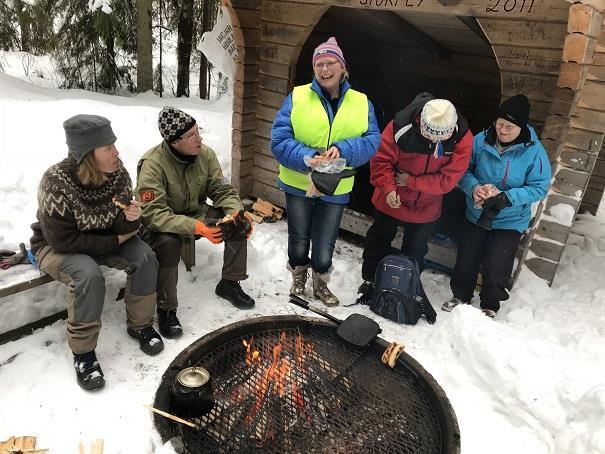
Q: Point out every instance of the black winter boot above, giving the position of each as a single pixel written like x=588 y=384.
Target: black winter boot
x=169 y=324
x=232 y=292
x=149 y=339
x=88 y=371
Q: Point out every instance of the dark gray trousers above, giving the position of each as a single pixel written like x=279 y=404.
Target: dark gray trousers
x=167 y=247
x=81 y=273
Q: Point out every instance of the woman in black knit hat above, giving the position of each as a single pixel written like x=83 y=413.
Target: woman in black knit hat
x=86 y=218
x=508 y=172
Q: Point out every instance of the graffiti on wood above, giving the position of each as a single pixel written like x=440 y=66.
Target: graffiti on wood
x=509 y=6
x=392 y=3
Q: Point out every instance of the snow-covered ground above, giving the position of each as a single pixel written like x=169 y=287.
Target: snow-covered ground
x=530 y=381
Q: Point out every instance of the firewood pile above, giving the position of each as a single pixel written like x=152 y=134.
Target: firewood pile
x=263 y=211
x=21 y=445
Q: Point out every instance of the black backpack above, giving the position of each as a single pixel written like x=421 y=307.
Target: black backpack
x=398 y=293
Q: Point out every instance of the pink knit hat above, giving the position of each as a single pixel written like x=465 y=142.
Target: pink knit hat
x=329 y=48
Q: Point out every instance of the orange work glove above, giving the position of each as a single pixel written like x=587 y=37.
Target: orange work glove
x=212 y=234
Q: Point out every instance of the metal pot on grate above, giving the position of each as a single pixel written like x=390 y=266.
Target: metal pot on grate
x=192 y=391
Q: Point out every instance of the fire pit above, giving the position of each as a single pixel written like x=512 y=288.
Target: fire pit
x=289 y=384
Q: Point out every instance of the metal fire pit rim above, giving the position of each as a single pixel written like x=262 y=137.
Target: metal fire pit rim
x=435 y=393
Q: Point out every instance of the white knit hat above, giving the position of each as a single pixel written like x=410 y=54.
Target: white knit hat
x=438 y=119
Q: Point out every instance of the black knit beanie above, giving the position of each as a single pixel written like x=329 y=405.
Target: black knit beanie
x=515 y=110
x=173 y=123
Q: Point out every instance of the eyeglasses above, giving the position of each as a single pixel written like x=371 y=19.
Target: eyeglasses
x=192 y=135
x=504 y=127
x=329 y=64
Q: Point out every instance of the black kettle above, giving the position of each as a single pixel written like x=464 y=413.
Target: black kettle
x=192 y=392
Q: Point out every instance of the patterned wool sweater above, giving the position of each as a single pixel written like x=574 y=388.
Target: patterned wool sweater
x=76 y=219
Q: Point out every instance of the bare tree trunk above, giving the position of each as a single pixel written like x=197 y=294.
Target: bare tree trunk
x=185 y=35
x=161 y=51
x=24 y=25
x=207 y=22
x=144 y=42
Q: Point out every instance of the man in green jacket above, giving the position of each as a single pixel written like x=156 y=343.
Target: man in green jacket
x=175 y=178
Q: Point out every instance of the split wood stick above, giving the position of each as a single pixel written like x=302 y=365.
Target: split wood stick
x=174 y=418
x=97 y=446
x=255 y=217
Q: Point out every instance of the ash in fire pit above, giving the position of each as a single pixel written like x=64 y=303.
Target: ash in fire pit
x=289 y=384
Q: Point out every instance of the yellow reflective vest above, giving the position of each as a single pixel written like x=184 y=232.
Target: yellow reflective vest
x=312 y=127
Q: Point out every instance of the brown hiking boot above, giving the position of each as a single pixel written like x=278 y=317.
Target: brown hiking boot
x=299 y=279
x=321 y=290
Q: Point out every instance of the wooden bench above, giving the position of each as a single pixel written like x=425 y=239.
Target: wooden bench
x=20 y=278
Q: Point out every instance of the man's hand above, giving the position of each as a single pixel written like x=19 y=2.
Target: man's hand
x=401 y=178
x=212 y=234
x=393 y=199
x=133 y=211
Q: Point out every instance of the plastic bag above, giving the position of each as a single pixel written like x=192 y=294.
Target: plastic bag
x=325 y=165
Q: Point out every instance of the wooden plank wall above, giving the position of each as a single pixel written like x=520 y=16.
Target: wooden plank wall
x=529 y=57
x=285 y=27
x=596 y=184
x=573 y=136
x=245 y=17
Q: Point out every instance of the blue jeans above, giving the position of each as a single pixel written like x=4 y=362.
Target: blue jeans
x=312 y=220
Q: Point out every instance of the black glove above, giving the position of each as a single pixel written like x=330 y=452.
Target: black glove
x=326 y=183
x=487 y=217
x=498 y=201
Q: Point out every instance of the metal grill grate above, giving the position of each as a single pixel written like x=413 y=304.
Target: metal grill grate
x=307 y=391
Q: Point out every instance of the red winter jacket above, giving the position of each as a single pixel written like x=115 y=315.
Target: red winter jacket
x=429 y=178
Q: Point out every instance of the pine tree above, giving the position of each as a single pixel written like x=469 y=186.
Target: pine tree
x=95 y=50
x=9 y=36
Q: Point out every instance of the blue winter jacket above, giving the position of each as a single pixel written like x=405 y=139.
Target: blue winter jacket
x=290 y=152
x=522 y=172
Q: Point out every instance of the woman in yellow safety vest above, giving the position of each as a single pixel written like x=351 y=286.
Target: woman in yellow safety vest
x=324 y=125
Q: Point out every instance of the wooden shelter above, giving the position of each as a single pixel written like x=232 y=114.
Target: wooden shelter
x=474 y=52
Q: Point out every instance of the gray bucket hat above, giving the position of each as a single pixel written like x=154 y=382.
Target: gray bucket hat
x=84 y=133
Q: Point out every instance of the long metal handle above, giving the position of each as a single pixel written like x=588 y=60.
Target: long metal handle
x=295 y=299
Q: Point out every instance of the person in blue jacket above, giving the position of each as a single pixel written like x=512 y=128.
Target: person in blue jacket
x=508 y=172
x=322 y=124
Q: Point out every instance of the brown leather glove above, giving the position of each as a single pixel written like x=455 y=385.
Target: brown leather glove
x=212 y=234
x=237 y=229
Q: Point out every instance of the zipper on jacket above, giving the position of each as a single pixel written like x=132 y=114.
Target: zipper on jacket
x=426 y=169
x=505 y=177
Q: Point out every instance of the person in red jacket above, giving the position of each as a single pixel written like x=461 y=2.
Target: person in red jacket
x=423 y=153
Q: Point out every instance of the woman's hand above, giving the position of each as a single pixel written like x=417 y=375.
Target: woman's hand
x=393 y=199
x=482 y=192
x=332 y=153
x=133 y=211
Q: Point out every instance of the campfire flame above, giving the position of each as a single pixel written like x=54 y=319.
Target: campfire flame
x=272 y=376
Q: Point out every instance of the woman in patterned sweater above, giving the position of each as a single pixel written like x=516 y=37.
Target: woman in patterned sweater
x=80 y=226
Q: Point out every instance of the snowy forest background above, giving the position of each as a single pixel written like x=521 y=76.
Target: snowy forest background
x=113 y=46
